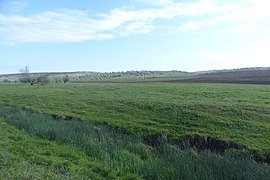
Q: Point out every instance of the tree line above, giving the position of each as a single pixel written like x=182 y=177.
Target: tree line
x=26 y=77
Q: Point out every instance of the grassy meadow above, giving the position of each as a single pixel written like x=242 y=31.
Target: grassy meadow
x=232 y=113
x=134 y=131
x=35 y=145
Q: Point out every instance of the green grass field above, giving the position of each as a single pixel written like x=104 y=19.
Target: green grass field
x=232 y=113
x=37 y=146
x=28 y=157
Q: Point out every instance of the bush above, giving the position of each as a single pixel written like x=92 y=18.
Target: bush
x=44 y=79
x=66 y=79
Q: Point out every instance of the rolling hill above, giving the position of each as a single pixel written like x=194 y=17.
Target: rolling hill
x=257 y=75
x=241 y=77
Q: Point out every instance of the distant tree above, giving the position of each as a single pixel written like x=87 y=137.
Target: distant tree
x=66 y=79
x=268 y=73
x=44 y=79
x=25 y=78
x=7 y=81
x=25 y=70
x=58 y=80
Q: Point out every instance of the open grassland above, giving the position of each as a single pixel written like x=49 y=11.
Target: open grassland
x=35 y=146
x=231 y=113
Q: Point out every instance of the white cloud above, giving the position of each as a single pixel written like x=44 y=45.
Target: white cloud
x=252 y=11
x=75 y=25
x=156 y=2
x=254 y=56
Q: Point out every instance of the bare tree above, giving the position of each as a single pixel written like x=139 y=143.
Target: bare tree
x=25 y=70
x=25 y=75
x=44 y=79
x=26 y=78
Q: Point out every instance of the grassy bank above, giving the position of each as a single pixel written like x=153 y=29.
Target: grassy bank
x=29 y=157
x=77 y=149
x=232 y=113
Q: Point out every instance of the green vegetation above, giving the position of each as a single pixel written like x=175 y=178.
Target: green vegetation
x=232 y=113
x=96 y=76
x=27 y=157
x=80 y=150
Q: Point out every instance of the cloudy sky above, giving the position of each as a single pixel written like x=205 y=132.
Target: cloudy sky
x=120 y=35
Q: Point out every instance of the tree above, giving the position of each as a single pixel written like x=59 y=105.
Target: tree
x=58 y=80
x=66 y=79
x=25 y=78
x=25 y=70
x=44 y=79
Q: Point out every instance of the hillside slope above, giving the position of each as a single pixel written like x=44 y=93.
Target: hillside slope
x=244 y=77
x=258 y=75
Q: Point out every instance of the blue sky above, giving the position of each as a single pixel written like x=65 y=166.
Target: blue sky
x=120 y=35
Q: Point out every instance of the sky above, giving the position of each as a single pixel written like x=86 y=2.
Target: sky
x=121 y=35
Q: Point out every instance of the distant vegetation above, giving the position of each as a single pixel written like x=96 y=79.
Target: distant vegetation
x=34 y=78
x=244 y=75
x=95 y=76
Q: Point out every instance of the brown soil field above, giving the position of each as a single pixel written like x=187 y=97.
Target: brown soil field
x=241 y=77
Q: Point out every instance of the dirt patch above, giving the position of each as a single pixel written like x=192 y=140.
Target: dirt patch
x=64 y=118
x=157 y=140
x=262 y=158
x=198 y=142
x=203 y=144
x=209 y=143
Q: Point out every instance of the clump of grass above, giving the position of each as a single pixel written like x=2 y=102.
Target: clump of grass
x=28 y=157
x=128 y=155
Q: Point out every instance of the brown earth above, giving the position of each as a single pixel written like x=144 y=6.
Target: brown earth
x=241 y=77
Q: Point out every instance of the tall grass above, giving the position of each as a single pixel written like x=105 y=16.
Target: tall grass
x=129 y=155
